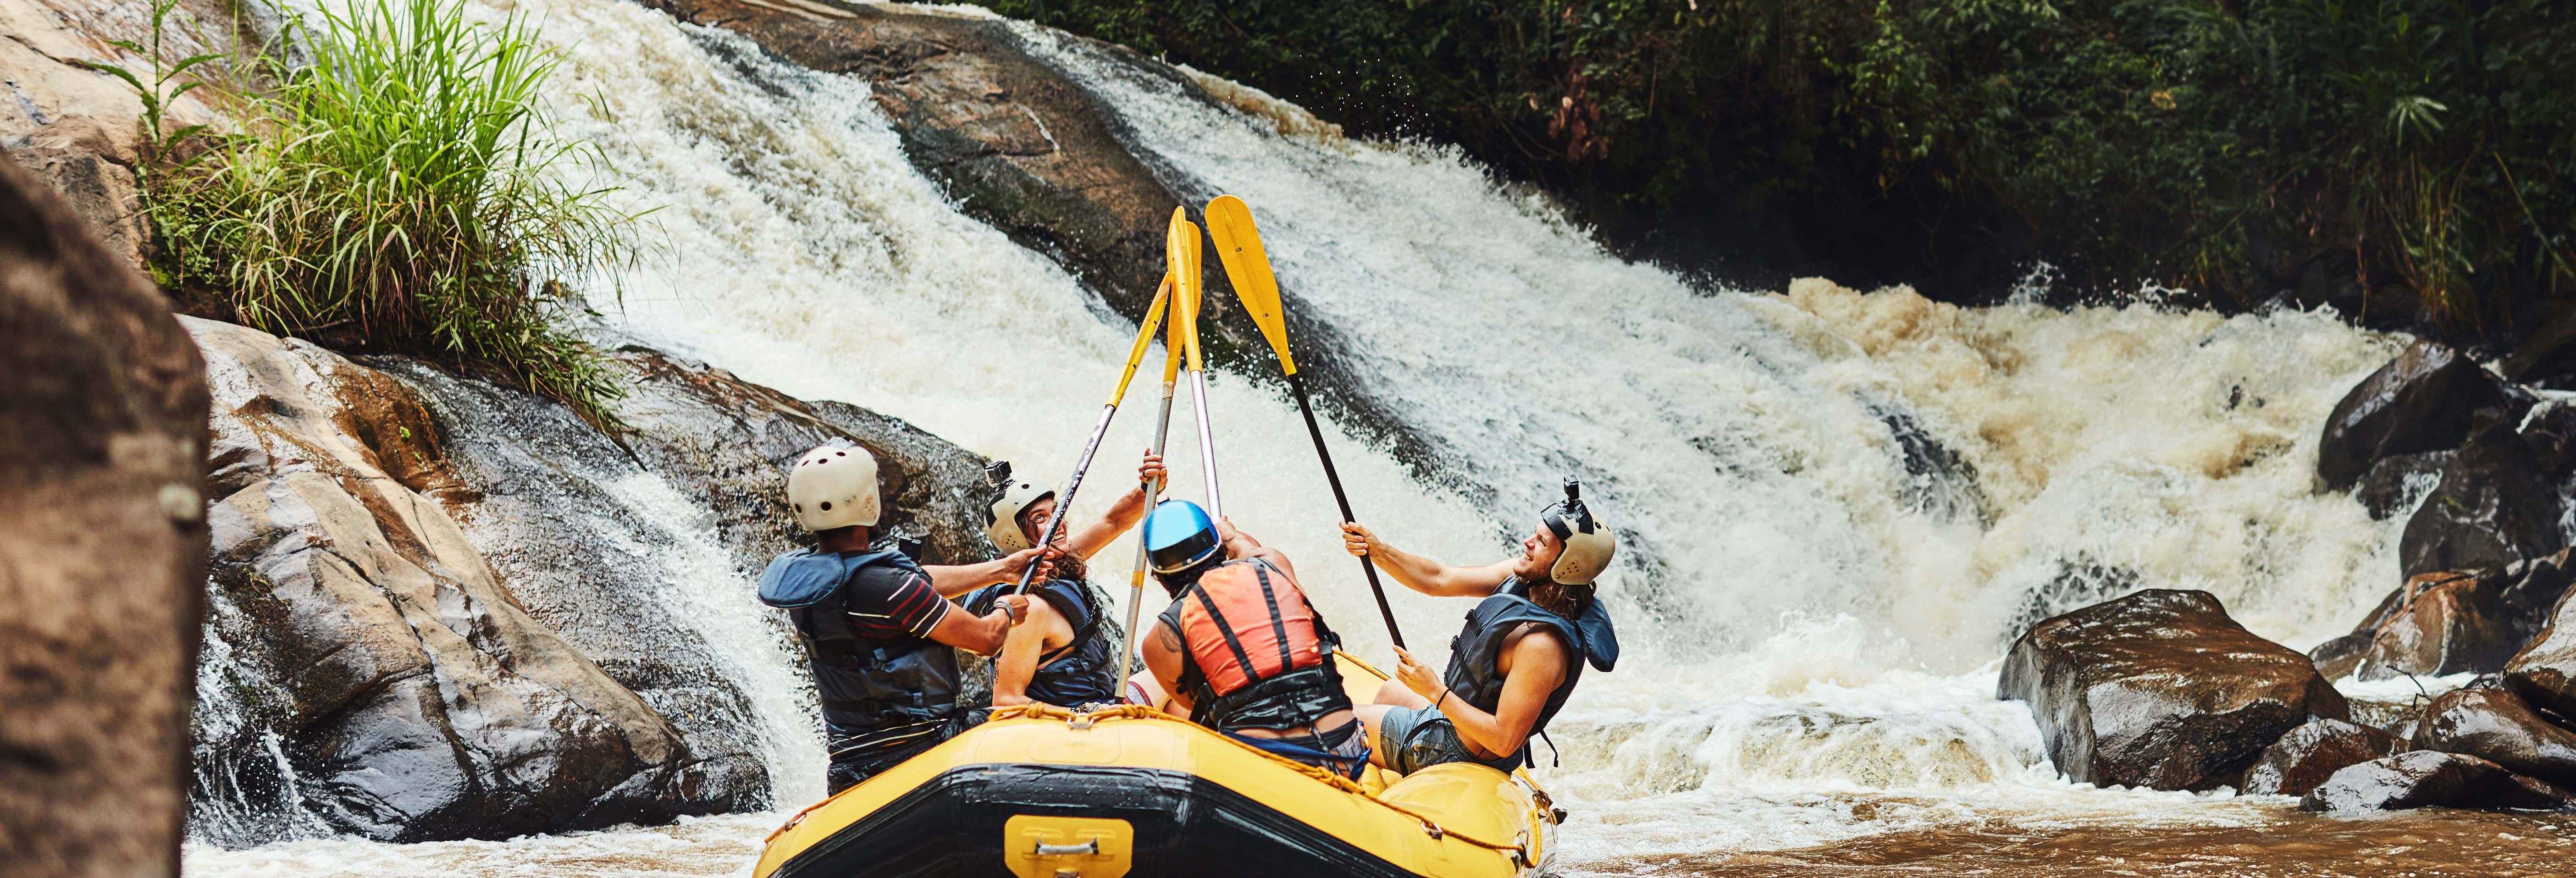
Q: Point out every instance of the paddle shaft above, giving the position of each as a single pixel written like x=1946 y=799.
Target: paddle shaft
x=1297 y=386
x=1207 y=443
x=1136 y=587
x=1064 y=502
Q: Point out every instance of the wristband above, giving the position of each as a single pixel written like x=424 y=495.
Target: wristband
x=1444 y=698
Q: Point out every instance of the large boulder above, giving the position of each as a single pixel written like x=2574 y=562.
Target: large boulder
x=2495 y=725
x=368 y=674
x=2495 y=506
x=102 y=546
x=2161 y=689
x=2424 y=400
x=2310 y=753
x=2430 y=779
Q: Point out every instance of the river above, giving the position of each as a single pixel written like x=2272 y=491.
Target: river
x=1836 y=506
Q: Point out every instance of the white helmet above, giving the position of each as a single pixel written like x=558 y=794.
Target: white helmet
x=1002 y=516
x=834 y=486
x=1588 y=542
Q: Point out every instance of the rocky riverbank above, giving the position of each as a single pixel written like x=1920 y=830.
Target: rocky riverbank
x=2161 y=689
x=441 y=608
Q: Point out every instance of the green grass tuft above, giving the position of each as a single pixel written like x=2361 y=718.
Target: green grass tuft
x=395 y=192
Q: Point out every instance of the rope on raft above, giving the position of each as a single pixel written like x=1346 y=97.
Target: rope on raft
x=1519 y=852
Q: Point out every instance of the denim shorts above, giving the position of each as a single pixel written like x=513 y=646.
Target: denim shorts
x=1421 y=737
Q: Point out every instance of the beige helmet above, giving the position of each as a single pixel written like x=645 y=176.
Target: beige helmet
x=1002 y=516
x=834 y=486
x=1588 y=543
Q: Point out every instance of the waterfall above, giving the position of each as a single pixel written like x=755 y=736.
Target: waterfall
x=1835 y=506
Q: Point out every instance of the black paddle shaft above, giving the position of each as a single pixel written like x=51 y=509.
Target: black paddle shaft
x=1297 y=385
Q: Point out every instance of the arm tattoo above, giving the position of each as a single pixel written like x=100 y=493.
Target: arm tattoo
x=1169 y=638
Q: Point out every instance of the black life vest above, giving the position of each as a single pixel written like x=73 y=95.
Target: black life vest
x=1272 y=653
x=1474 y=655
x=878 y=693
x=1078 y=673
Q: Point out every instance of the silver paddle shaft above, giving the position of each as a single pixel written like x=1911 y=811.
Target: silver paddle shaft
x=1136 y=588
x=1207 y=444
x=1064 y=503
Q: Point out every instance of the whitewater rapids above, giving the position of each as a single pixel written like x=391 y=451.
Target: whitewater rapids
x=1835 y=505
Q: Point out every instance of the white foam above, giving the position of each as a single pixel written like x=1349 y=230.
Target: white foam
x=1810 y=639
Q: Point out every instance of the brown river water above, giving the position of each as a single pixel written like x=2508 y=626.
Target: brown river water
x=2281 y=841
x=2419 y=843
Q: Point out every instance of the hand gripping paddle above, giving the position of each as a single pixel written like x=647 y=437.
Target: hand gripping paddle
x=1238 y=245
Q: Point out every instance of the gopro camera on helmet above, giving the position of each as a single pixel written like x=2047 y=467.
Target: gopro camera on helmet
x=998 y=473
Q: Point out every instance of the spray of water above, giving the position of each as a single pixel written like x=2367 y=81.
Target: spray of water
x=1835 y=506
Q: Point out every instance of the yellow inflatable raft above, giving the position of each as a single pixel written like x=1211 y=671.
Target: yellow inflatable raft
x=1044 y=792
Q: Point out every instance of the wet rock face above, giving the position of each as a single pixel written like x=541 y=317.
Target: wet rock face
x=2443 y=624
x=2452 y=622
x=2396 y=717
x=2397 y=483
x=2310 y=753
x=646 y=562
x=1012 y=141
x=2495 y=506
x=102 y=546
x=2544 y=672
x=2428 y=779
x=2421 y=401
x=2161 y=689
x=367 y=673
x=91 y=162
x=2496 y=725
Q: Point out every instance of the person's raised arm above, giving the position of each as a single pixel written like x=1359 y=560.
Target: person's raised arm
x=1538 y=665
x=1423 y=574
x=951 y=580
x=981 y=636
x=1123 y=514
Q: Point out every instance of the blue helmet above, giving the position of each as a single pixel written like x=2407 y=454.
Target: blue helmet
x=1179 y=536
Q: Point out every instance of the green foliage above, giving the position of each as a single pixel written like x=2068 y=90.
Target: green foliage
x=395 y=193
x=2215 y=143
x=160 y=144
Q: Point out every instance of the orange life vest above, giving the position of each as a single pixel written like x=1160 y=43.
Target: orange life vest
x=1259 y=655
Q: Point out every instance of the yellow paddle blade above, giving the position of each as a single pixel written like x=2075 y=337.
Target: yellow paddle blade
x=1238 y=245
x=1181 y=254
x=1144 y=338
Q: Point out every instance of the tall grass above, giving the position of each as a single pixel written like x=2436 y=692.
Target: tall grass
x=396 y=192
